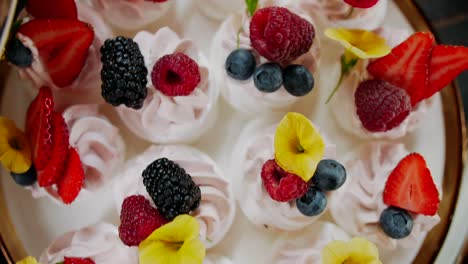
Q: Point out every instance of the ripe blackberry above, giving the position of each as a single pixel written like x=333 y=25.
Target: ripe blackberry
x=171 y=188
x=123 y=73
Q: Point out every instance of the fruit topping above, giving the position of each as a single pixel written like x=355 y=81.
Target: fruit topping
x=280 y=35
x=407 y=66
x=69 y=260
x=18 y=54
x=72 y=180
x=268 y=77
x=396 y=223
x=298 y=80
x=281 y=185
x=361 y=3
x=138 y=219
x=313 y=202
x=124 y=74
x=380 y=105
x=240 y=64
x=173 y=191
x=176 y=75
x=63 y=46
x=410 y=186
x=357 y=250
x=330 y=175
x=65 y=9
x=26 y=178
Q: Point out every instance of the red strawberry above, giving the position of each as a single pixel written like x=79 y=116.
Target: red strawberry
x=407 y=66
x=138 y=219
x=410 y=186
x=69 y=186
x=39 y=127
x=68 y=260
x=52 y=9
x=56 y=165
x=62 y=44
x=447 y=62
x=361 y=3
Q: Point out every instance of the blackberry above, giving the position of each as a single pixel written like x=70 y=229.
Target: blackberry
x=171 y=188
x=123 y=74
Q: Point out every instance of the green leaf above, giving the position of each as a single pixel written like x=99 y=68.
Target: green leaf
x=251 y=6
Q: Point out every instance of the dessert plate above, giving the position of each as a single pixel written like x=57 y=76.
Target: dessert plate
x=28 y=225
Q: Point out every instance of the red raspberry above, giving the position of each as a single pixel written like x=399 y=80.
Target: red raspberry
x=138 y=219
x=380 y=105
x=68 y=260
x=280 y=35
x=175 y=75
x=281 y=185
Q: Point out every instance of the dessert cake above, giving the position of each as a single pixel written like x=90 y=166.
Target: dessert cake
x=297 y=147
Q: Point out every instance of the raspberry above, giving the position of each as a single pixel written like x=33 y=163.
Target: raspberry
x=281 y=185
x=138 y=219
x=175 y=75
x=68 y=260
x=280 y=35
x=380 y=105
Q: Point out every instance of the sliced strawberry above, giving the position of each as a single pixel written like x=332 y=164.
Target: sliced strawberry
x=63 y=46
x=52 y=9
x=407 y=66
x=70 y=260
x=447 y=62
x=39 y=127
x=56 y=165
x=410 y=186
x=71 y=183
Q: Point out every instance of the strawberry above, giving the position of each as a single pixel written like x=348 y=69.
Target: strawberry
x=39 y=127
x=56 y=165
x=446 y=63
x=407 y=66
x=69 y=186
x=63 y=46
x=52 y=9
x=69 y=260
x=410 y=186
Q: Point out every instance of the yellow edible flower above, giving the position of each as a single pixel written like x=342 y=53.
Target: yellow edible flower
x=28 y=260
x=358 y=44
x=174 y=243
x=15 y=153
x=356 y=251
x=298 y=146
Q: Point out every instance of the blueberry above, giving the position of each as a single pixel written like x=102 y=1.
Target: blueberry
x=298 y=80
x=396 y=223
x=18 y=54
x=240 y=64
x=313 y=202
x=330 y=175
x=268 y=77
x=27 y=178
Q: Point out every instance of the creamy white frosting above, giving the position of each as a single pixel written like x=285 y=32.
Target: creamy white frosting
x=131 y=14
x=164 y=119
x=215 y=259
x=255 y=147
x=243 y=95
x=219 y=10
x=99 y=144
x=357 y=205
x=306 y=247
x=87 y=86
x=99 y=242
x=217 y=208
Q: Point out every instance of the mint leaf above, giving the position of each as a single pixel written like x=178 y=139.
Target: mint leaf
x=251 y=6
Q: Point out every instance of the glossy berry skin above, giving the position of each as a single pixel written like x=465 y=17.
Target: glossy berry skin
x=330 y=175
x=240 y=64
x=361 y=3
x=18 y=54
x=268 y=77
x=27 y=178
x=312 y=203
x=298 y=80
x=396 y=223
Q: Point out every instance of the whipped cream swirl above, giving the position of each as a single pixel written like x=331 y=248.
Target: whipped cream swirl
x=357 y=205
x=219 y=10
x=215 y=259
x=217 y=207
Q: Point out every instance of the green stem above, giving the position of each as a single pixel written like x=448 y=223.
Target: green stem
x=337 y=86
x=238 y=37
x=350 y=13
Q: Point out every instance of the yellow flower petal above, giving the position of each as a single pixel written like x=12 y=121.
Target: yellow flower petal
x=356 y=251
x=15 y=152
x=298 y=146
x=28 y=260
x=335 y=252
x=183 y=227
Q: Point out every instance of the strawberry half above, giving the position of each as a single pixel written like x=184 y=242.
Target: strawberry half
x=52 y=9
x=447 y=62
x=407 y=66
x=63 y=46
x=69 y=260
x=410 y=186
x=39 y=127
x=71 y=183
x=56 y=165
